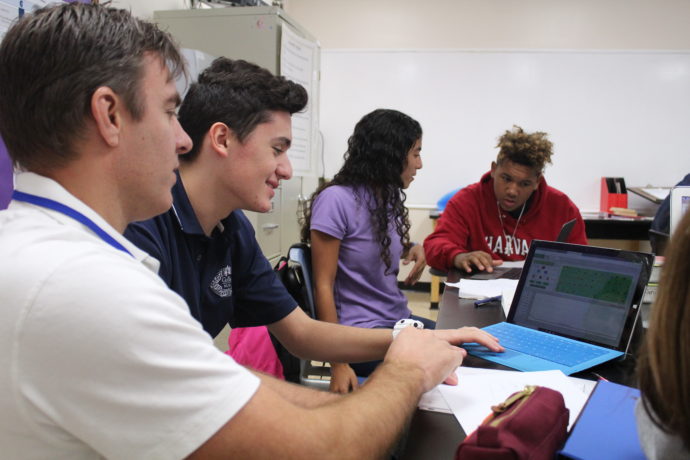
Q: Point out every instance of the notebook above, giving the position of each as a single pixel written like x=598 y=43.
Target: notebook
x=574 y=307
x=513 y=273
x=606 y=427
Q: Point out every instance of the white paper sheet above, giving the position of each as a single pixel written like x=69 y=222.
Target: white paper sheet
x=435 y=402
x=507 y=300
x=479 y=389
x=297 y=56
x=586 y=386
x=660 y=193
x=481 y=289
x=513 y=264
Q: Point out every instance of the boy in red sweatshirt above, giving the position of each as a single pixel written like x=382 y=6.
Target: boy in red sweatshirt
x=497 y=218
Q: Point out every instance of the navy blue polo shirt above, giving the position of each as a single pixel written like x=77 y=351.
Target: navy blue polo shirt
x=224 y=278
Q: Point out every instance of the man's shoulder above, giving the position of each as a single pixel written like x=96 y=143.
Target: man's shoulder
x=553 y=194
x=33 y=256
x=30 y=231
x=475 y=187
x=467 y=195
x=684 y=181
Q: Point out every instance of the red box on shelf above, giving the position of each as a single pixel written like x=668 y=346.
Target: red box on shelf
x=613 y=194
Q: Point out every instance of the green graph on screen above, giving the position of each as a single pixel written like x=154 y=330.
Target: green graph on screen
x=595 y=284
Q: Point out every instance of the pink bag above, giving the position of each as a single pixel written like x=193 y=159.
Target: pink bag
x=252 y=347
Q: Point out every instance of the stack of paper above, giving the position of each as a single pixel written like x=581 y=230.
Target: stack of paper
x=480 y=289
x=479 y=389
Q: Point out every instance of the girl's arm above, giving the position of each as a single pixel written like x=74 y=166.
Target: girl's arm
x=324 y=255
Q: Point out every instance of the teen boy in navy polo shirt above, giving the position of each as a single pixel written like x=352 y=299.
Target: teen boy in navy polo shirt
x=238 y=116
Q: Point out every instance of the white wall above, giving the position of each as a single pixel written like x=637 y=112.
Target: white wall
x=482 y=24
x=496 y=25
x=605 y=112
x=390 y=26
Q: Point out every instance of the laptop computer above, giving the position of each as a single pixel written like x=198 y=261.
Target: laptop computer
x=512 y=272
x=574 y=307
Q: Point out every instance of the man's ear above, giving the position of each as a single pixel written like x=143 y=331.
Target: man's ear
x=106 y=108
x=221 y=138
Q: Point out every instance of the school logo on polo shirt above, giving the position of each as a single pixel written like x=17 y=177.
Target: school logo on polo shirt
x=222 y=282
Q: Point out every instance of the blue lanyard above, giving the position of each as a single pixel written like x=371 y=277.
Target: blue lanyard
x=74 y=214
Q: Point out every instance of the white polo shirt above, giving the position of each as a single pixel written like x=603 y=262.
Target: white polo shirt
x=98 y=358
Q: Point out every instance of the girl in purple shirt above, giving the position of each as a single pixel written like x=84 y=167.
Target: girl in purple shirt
x=358 y=227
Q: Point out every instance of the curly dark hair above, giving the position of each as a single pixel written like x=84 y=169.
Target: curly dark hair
x=532 y=150
x=239 y=94
x=375 y=159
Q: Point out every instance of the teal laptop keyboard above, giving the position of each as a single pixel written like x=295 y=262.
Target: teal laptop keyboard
x=550 y=347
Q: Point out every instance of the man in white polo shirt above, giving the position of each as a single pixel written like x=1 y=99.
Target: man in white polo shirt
x=98 y=358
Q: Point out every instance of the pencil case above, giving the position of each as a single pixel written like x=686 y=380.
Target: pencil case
x=531 y=424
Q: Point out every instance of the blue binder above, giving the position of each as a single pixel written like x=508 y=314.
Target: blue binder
x=606 y=426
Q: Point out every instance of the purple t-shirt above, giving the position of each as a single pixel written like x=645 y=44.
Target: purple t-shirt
x=365 y=296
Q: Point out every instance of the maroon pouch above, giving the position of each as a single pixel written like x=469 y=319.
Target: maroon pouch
x=530 y=424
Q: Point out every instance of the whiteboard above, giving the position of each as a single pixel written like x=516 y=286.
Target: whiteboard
x=608 y=113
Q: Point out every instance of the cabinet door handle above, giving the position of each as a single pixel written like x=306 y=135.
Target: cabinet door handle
x=269 y=226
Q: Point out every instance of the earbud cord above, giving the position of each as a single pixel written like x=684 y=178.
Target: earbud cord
x=509 y=244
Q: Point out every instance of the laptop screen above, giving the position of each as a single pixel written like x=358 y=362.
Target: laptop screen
x=582 y=292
